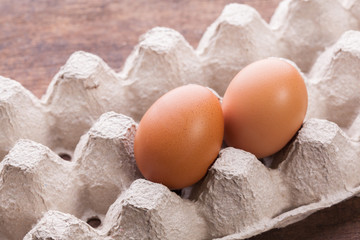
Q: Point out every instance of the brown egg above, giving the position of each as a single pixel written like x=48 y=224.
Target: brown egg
x=179 y=136
x=264 y=106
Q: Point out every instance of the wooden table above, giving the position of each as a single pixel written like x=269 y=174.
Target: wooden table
x=37 y=37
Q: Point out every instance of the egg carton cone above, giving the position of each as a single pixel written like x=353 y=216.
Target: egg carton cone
x=68 y=169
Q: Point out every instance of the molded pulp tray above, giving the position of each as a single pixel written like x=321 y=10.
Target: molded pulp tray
x=90 y=114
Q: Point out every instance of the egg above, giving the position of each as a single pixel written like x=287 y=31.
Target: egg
x=180 y=136
x=264 y=106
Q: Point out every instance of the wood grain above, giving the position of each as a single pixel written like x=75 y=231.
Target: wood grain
x=340 y=222
x=37 y=37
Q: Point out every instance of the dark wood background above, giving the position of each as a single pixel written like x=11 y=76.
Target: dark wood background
x=37 y=37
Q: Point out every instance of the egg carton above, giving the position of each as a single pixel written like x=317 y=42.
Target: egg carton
x=90 y=113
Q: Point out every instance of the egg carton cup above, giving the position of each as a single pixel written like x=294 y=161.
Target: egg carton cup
x=90 y=113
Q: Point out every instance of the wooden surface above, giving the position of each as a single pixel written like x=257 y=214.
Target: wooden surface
x=37 y=37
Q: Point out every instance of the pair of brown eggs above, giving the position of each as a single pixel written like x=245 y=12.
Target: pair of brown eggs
x=181 y=134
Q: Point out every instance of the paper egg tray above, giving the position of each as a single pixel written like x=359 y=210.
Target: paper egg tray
x=84 y=116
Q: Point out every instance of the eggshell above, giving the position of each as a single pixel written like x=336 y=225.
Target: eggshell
x=264 y=106
x=180 y=136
